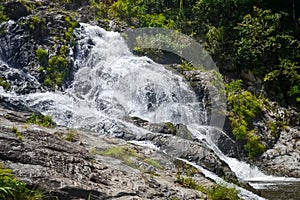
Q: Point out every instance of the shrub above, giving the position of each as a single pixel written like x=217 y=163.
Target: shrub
x=71 y=135
x=99 y=8
x=71 y=24
x=243 y=106
x=187 y=66
x=3 y=17
x=170 y=127
x=56 y=71
x=42 y=56
x=254 y=147
x=215 y=192
x=37 y=23
x=13 y=189
x=4 y=84
x=270 y=51
x=220 y=192
x=42 y=120
x=135 y=12
x=18 y=134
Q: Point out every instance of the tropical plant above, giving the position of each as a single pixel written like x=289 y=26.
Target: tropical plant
x=13 y=189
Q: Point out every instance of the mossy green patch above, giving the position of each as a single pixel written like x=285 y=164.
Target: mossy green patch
x=42 y=120
x=4 y=84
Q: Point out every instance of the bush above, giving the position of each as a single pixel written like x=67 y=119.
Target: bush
x=56 y=71
x=42 y=120
x=3 y=17
x=254 y=147
x=13 y=189
x=135 y=12
x=270 y=51
x=215 y=192
x=220 y=192
x=71 y=24
x=71 y=135
x=37 y=23
x=16 y=131
x=42 y=56
x=4 y=84
x=243 y=106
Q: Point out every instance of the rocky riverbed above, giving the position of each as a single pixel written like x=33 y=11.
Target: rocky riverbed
x=76 y=170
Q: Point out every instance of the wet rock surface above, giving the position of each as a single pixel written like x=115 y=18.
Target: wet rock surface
x=72 y=170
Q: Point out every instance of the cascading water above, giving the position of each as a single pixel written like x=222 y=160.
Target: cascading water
x=111 y=84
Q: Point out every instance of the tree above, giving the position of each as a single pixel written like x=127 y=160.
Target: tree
x=269 y=50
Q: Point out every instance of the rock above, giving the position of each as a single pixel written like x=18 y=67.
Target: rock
x=15 y=10
x=284 y=158
x=44 y=159
x=227 y=145
x=20 y=40
x=194 y=151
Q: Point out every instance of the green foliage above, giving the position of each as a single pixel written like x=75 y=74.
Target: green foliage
x=220 y=192
x=243 y=106
x=30 y=6
x=127 y=10
x=42 y=120
x=120 y=152
x=187 y=66
x=215 y=39
x=71 y=24
x=215 y=192
x=131 y=157
x=123 y=153
x=13 y=189
x=3 y=17
x=4 y=84
x=42 y=56
x=64 y=50
x=135 y=13
x=152 y=162
x=269 y=50
x=36 y=22
x=188 y=182
x=254 y=146
x=18 y=134
x=220 y=13
x=57 y=71
x=171 y=128
x=99 y=8
x=71 y=135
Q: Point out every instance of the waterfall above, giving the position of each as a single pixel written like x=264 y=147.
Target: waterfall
x=111 y=84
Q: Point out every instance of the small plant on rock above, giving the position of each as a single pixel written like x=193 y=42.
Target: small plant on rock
x=42 y=120
x=71 y=135
x=13 y=189
x=18 y=134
